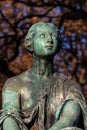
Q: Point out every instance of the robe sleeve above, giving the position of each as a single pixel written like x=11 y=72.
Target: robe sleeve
x=72 y=91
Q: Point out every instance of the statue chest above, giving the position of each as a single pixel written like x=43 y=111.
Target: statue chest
x=46 y=95
x=33 y=91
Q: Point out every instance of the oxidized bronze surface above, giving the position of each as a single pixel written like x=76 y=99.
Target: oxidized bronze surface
x=39 y=98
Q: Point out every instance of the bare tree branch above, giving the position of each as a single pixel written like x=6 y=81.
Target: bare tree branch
x=53 y=4
x=73 y=16
x=35 y=15
x=5 y=36
x=13 y=28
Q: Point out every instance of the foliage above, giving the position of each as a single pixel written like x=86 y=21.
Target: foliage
x=70 y=16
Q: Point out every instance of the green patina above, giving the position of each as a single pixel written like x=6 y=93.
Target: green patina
x=39 y=97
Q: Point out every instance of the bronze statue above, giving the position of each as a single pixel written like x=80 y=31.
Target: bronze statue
x=39 y=97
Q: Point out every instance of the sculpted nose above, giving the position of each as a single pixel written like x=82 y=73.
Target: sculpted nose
x=50 y=40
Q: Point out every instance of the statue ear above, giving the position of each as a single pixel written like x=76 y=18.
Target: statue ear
x=28 y=44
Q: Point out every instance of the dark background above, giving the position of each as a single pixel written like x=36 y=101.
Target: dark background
x=70 y=16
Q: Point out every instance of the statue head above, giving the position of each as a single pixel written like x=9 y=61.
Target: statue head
x=43 y=39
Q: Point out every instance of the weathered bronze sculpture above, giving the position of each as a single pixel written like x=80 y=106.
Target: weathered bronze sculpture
x=39 y=97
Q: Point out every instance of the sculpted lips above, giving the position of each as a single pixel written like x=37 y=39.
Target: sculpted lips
x=49 y=46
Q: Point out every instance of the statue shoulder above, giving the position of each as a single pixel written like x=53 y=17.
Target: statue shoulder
x=67 y=82
x=11 y=84
x=15 y=83
x=73 y=85
x=60 y=77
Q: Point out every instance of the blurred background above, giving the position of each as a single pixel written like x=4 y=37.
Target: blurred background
x=70 y=16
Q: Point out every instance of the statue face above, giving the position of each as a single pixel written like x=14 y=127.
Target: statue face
x=45 y=42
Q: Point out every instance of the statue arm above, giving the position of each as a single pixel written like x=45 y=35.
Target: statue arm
x=69 y=117
x=10 y=108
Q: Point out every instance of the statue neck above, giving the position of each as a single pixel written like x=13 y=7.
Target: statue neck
x=42 y=66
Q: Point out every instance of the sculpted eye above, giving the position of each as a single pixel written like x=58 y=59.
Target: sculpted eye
x=55 y=36
x=42 y=35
